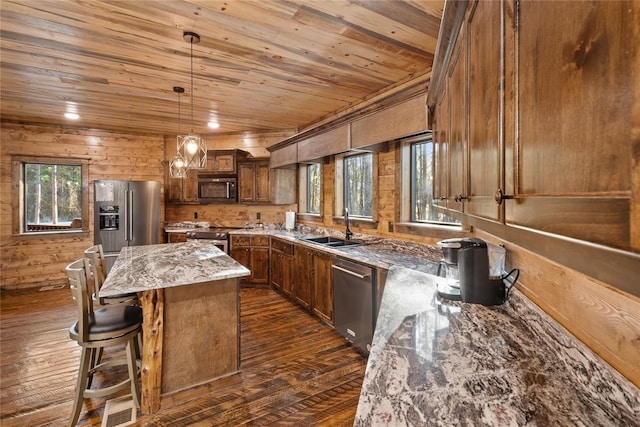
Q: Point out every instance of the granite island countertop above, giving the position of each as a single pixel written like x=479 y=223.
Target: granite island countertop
x=439 y=363
x=147 y=267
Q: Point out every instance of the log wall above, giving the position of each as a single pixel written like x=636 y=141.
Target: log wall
x=27 y=261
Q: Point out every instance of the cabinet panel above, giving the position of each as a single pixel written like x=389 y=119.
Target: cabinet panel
x=254 y=182
x=275 y=265
x=303 y=276
x=242 y=254
x=246 y=182
x=575 y=120
x=458 y=143
x=322 y=301
x=176 y=237
x=441 y=144
x=485 y=109
x=262 y=174
x=221 y=162
x=259 y=265
x=184 y=189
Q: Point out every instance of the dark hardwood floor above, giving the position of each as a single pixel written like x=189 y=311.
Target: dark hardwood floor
x=295 y=370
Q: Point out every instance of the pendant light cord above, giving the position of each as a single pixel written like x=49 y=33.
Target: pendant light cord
x=191 y=84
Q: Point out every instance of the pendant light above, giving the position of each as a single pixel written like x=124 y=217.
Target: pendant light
x=178 y=165
x=192 y=147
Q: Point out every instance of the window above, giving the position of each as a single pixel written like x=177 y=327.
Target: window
x=313 y=188
x=310 y=190
x=421 y=208
x=52 y=196
x=358 y=185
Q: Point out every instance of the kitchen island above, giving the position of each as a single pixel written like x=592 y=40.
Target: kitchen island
x=189 y=294
x=442 y=363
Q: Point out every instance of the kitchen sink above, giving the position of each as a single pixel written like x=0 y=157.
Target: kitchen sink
x=331 y=241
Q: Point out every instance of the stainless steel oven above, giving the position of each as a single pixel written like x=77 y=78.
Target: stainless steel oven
x=219 y=236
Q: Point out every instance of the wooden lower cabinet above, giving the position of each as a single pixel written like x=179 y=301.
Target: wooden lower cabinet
x=322 y=289
x=252 y=252
x=281 y=266
x=176 y=237
x=303 y=276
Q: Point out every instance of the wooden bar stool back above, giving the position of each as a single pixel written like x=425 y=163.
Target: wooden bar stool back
x=95 y=255
x=96 y=329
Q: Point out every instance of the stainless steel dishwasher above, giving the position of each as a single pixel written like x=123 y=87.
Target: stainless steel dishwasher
x=353 y=302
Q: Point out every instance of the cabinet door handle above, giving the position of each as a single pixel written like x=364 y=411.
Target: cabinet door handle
x=500 y=196
x=460 y=198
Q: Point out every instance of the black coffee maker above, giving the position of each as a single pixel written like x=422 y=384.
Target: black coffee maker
x=465 y=273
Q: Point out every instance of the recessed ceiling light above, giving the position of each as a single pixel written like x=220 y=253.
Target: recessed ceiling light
x=214 y=124
x=72 y=116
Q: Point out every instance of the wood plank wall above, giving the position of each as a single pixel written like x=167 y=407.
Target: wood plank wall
x=228 y=214
x=38 y=260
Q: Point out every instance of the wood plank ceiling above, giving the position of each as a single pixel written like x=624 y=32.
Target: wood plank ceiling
x=260 y=65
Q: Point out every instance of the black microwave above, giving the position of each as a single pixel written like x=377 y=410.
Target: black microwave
x=217 y=189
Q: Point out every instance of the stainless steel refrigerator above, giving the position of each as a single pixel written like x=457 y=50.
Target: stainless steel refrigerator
x=126 y=213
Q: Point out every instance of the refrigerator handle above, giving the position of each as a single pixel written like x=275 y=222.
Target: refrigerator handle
x=128 y=216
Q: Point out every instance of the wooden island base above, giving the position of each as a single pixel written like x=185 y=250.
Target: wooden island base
x=189 y=333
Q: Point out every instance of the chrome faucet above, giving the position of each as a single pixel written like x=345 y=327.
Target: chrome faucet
x=347 y=232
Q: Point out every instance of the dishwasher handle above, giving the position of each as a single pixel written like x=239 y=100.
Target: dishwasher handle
x=352 y=273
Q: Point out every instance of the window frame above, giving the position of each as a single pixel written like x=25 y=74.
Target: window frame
x=303 y=188
x=407 y=188
x=366 y=222
x=18 y=187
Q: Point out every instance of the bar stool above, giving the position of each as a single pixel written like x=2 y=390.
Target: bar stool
x=97 y=329
x=95 y=255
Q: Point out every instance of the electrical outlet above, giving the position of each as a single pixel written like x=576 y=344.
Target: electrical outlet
x=195 y=215
x=390 y=227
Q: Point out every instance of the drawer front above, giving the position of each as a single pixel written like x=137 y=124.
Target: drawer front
x=284 y=247
x=259 y=240
x=240 y=240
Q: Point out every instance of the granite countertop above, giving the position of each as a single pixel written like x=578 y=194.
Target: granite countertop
x=441 y=363
x=142 y=268
x=374 y=251
x=184 y=226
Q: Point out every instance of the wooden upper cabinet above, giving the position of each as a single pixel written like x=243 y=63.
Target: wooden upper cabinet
x=253 y=181
x=486 y=120
x=574 y=158
x=540 y=125
x=246 y=182
x=221 y=161
x=262 y=173
x=183 y=190
x=441 y=149
x=458 y=129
